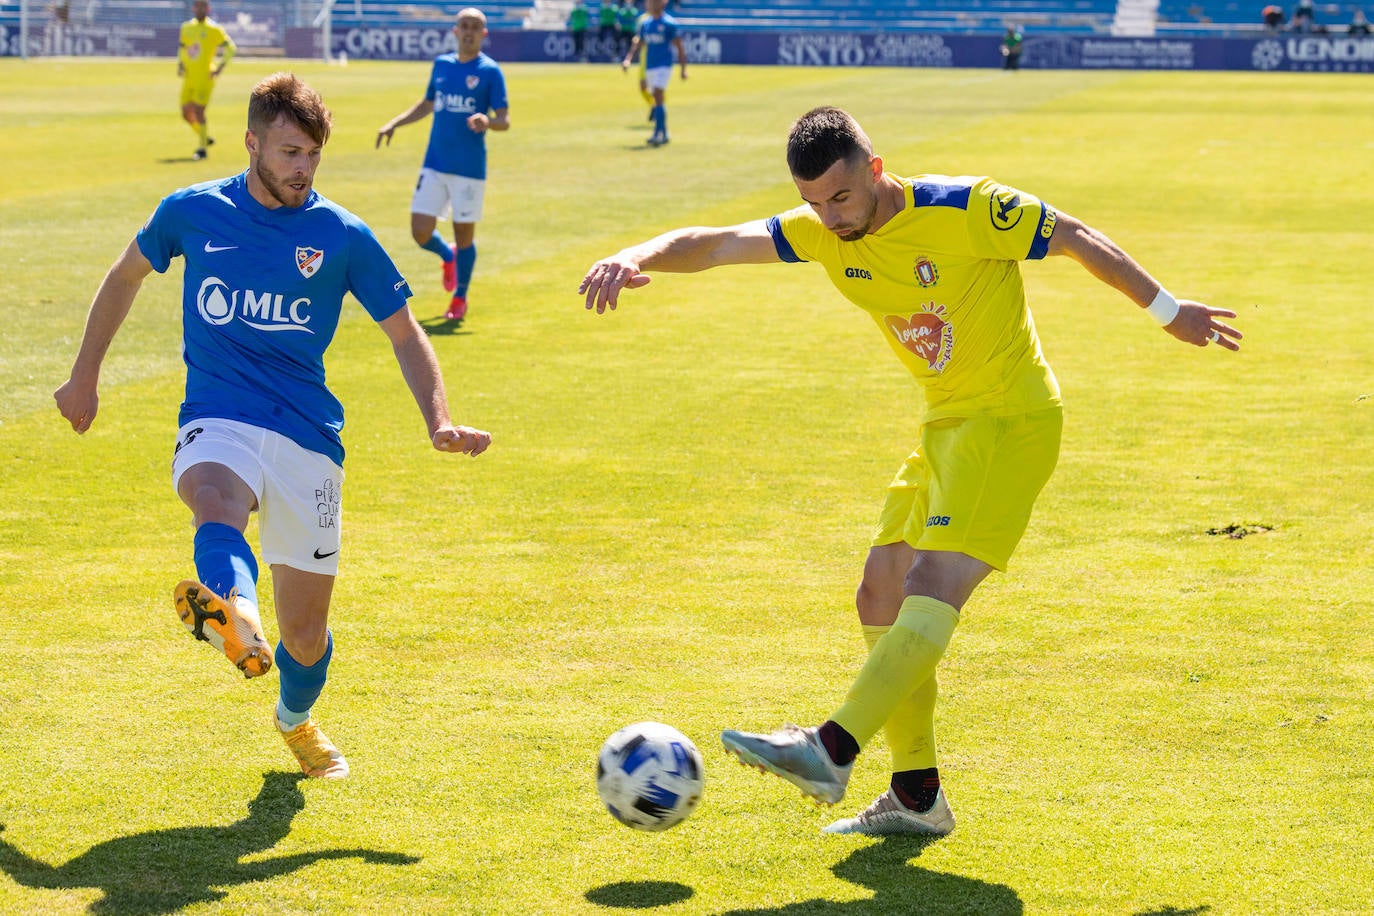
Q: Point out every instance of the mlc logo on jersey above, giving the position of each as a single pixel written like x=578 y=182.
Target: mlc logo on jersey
x=308 y=260
x=218 y=305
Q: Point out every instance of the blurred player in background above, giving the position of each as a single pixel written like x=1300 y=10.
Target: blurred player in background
x=467 y=96
x=267 y=264
x=657 y=36
x=934 y=261
x=644 y=92
x=202 y=39
x=1011 y=47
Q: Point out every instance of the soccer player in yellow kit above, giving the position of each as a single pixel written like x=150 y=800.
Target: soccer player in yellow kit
x=201 y=38
x=934 y=260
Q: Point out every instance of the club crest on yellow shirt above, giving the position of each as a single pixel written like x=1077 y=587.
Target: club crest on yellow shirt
x=925 y=271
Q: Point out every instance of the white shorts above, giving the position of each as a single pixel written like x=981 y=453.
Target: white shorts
x=298 y=490
x=658 y=77
x=438 y=193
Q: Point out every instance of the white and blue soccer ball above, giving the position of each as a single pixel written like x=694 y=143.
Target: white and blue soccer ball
x=649 y=776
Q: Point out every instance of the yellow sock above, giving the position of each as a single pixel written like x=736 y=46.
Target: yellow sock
x=203 y=131
x=902 y=660
x=910 y=730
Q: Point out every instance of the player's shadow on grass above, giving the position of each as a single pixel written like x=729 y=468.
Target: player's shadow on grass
x=177 y=160
x=439 y=326
x=165 y=871
x=901 y=888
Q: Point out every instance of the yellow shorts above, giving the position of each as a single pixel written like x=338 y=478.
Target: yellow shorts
x=196 y=90
x=970 y=486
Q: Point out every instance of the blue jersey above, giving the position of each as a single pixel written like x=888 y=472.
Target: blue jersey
x=261 y=299
x=459 y=91
x=657 y=37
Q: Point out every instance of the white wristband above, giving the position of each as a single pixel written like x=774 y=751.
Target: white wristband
x=1164 y=308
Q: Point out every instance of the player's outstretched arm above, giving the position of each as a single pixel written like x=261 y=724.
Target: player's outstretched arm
x=420 y=369
x=77 y=399
x=679 y=251
x=417 y=112
x=1189 y=321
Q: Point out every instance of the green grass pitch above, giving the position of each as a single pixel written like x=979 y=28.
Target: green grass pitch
x=1141 y=717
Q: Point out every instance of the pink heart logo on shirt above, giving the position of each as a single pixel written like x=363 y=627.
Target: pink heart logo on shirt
x=925 y=334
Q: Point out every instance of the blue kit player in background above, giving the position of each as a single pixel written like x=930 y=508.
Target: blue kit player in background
x=267 y=264
x=467 y=95
x=658 y=36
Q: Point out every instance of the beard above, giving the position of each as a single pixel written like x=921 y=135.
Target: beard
x=280 y=188
x=853 y=235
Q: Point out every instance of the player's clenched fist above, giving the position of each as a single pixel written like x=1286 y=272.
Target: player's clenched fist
x=78 y=404
x=463 y=439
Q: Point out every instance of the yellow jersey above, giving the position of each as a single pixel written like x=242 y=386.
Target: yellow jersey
x=199 y=42
x=942 y=281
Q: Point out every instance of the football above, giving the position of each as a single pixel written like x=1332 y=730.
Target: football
x=649 y=776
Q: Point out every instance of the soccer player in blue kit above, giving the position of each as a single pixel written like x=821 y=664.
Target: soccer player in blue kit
x=267 y=264
x=658 y=36
x=467 y=95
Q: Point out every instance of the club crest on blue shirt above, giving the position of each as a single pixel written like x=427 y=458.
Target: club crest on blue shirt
x=309 y=260
x=473 y=80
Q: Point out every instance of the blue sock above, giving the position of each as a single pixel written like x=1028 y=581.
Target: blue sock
x=300 y=684
x=661 y=120
x=225 y=562
x=467 y=259
x=437 y=245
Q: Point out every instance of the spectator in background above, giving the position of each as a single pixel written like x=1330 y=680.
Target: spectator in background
x=1011 y=48
x=1273 y=17
x=1359 y=25
x=578 y=18
x=608 y=27
x=1304 y=16
x=627 y=19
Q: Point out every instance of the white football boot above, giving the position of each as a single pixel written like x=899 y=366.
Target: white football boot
x=887 y=816
x=797 y=755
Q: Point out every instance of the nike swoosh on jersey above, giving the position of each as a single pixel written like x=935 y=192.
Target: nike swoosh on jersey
x=211 y=249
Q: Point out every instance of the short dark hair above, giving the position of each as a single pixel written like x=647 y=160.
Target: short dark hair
x=285 y=94
x=822 y=137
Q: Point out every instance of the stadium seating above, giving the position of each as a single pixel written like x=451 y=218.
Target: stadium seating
x=1227 y=15
x=501 y=14
x=962 y=16
x=1216 y=17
